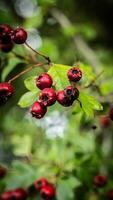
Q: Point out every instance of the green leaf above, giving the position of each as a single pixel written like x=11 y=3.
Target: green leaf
x=28 y=99
x=59 y=75
x=13 y=62
x=65 y=188
x=89 y=104
x=30 y=83
x=88 y=74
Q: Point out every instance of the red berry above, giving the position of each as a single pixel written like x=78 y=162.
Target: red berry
x=6 y=195
x=19 y=36
x=6 y=47
x=111 y=114
x=110 y=195
x=74 y=74
x=19 y=194
x=6 y=91
x=5 y=34
x=5 y=29
x=47 y=97
x=39 y=184
x=37 y=110
x=48 y=192
x=67 y=96
x=3 y=172
x=44 y=81
x=105 y=121
x=100 y=180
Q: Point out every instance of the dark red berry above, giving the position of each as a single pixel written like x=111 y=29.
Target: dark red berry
x=67 y=96
x=6 y=91
x=74 y=74
x=105 y=121
x=39 y=184
x=48 y=192
x=3 y=172
x=110 y=195
x=19 y=36
x=44 y=81
x=5 y=29
x=6 y=47
x=111 y=114
x=47 y=97
x=37 y=110
x=100 y=180
x=19 y=194
x=6 y=195
x=5 y=34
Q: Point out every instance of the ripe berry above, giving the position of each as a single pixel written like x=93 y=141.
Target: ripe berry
x=74 y=74
x=110 y=195
x=47 y=97
x=6 y=91
x=44 y=81
x=37 y=110
x=3 y=172
x=19 y=194
x=48 y=192
x=19 y=36
x=5 y=29
x=67 y=96
x=105 y=121
x=6 y=47
x=6 y=195
x=100 y=180
x=5 y=34
x=39 y=184
x=111 y=114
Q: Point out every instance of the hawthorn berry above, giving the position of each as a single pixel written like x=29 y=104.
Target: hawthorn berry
x=74 y=74
x=44 y=81
x=48 y=192
x=47 y=97
x=6 y=91
x=37 y=110
x=110 y=195
x=19 y=194
x=100 y=180
x=67 y=96
x=5 y=34
x=6 y=195
x=39 y=184
x=6 y=47
x=111 y=114
x=3 y=172
x=105 y=121
x=19 y=36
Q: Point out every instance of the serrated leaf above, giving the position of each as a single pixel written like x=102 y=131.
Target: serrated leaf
x=30 y=83
x=59 y=74
x=89 y=104
x=13 y=62
x=88 y=74
x=65 y=188
x=28 y=99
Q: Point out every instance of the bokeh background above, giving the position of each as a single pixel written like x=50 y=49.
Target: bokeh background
x=68 y=31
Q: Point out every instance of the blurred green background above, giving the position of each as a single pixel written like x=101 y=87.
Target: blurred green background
x=64 y=142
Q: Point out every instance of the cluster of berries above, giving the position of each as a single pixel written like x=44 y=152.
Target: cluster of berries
x=105 y=121
x=48 y=95
x=9 y=37
x=100 y=181
x=46 y=190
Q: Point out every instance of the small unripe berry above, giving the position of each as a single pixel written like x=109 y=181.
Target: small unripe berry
x=105 y=121
x=6 y=195
x=37 y=110
x=6 y=91
x=39 y=184
x=110 y=195
x=111 y=114
x=74 y=74
x=19 y=194
x=47 y=97
x=67 y=96
x=19 y=36
x=3 y=172
x=44 y=81
x=48 y=192
x=100 y=180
